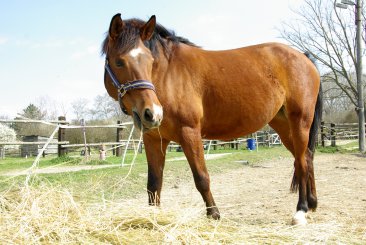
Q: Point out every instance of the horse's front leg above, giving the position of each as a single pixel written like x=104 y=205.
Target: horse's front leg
x=191 y=142
x=155 y=148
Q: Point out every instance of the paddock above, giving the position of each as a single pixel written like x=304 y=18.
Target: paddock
x=251 y=212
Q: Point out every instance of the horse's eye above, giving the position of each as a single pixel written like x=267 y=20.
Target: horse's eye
x=120 y=63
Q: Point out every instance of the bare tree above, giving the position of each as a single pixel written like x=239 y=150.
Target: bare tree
x=49 y=106
x=80 y=108
x=328 y=34
x=3 y=116
x=337 y=106
x=103 y=108
x=106 y=108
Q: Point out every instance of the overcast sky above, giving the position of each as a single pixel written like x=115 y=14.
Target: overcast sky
x=51 y=49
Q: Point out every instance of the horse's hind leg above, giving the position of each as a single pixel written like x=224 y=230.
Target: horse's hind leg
x=300 y=123
x=311 y=196
x=294 y=135
x=310 y=188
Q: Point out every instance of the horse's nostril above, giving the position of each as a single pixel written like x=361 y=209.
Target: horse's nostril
x=148 y=115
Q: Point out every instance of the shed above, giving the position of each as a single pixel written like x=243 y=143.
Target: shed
x=34 y=149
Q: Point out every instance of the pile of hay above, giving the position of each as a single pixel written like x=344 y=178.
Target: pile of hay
x=45 y=214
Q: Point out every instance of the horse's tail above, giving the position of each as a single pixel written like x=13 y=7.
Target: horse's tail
x=316 y=121
x=317 y=114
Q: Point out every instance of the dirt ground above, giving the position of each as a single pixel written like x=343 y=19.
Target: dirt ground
x=259 y=195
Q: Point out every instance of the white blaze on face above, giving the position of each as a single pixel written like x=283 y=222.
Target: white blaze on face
x=134 y=53
x=158 y=112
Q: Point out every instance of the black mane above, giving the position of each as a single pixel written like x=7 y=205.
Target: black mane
x=130 y=34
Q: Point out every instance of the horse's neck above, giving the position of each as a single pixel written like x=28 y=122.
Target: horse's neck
x=160 y=66
x=182 y=58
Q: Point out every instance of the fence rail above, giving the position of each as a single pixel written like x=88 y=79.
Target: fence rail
x=61 y=143
x=329 y=134
x=34 y=143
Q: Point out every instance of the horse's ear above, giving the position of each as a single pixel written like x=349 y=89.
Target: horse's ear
x=147 y=30
x=115 y=27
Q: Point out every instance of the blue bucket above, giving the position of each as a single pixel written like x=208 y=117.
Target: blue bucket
x=251 y=144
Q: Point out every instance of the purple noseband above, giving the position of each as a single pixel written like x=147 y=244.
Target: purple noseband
x=124 y=88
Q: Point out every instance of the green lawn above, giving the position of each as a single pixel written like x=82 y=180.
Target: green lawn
x=112 y=182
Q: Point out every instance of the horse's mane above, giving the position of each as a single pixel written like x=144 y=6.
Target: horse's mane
x=130 y=34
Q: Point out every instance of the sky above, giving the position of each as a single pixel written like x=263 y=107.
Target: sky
x=50 y=50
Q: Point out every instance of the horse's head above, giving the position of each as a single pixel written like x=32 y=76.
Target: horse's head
x=128 y=73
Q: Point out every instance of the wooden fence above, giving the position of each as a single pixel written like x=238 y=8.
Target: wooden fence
x=62 y=144
x=263 y=138
x=330 y=133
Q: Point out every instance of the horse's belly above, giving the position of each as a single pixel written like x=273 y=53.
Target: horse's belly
x=237 y=120
x=230 y=130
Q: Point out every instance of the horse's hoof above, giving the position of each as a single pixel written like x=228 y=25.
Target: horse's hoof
x=299 y=218
x=215 y=216
x=213 y=213
x=312 y=203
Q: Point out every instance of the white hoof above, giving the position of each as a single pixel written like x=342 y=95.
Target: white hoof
x=299 y=218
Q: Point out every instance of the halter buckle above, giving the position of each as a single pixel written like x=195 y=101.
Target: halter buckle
x=122 y=91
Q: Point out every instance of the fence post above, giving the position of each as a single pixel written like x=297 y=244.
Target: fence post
x=2 y=152
x=86 y=148
x=118 y=138
x=322 y=134
x=332 y=135
x=61 y=137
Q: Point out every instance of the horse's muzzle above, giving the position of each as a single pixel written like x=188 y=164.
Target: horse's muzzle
x=148 y=118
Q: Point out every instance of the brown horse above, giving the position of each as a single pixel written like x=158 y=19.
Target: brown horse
x=212 y=95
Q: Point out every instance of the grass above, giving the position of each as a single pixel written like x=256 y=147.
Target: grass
x=111 y=182
x=351 y=147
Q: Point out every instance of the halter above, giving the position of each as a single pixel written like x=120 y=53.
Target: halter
x=124 y=88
